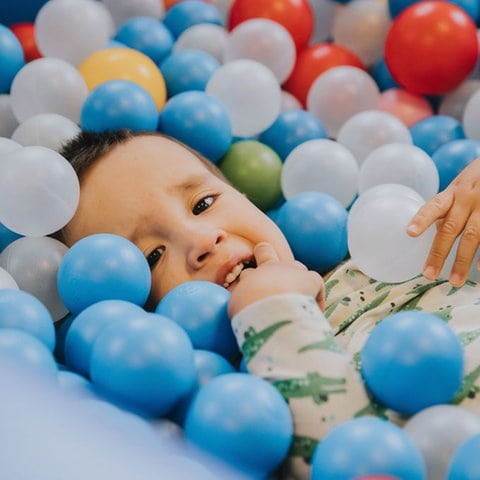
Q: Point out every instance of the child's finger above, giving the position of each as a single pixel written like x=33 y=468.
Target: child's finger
x=264 y=252
x=434 y=209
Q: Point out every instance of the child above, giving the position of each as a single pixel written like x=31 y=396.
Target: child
x=191 y=224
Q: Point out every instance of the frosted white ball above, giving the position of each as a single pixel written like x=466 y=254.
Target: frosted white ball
x=453 y=103
x=6 y=280
x=7 y=145
x=471 y=116
x=8 y=121
x=122 y=10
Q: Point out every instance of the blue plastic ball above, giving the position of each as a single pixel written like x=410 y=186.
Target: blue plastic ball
x=147 y=35
x=188 y=69
x=188 y=13
x=25 y=350
x=367 y=446
x=432 y=132
x=103 y=266
x=243 y=420
x=76 y=385
x=382 y=76
x=147 y=363
x=315 y=225
x=198 y=120
x=465 y=463
x=7 y=236
x=290 y=129
x=23 y=311
x=12 y=58
x=87 y=325
x=200 y=308
x=452 y=157
x=118 y=104
x=412 y=360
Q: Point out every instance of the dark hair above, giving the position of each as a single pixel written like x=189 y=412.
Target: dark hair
x=83 y=150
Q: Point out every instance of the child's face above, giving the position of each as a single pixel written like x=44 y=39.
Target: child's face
x=189 y=223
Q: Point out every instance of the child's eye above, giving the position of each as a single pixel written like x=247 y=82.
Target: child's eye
x=154 y=256
x=203 y=204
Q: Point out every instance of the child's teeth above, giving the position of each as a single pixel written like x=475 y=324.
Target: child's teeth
x=233 y=274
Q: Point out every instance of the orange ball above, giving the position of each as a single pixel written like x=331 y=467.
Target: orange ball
x=124 y=64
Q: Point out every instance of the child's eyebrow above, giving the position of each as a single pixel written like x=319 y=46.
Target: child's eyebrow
x=191 y=183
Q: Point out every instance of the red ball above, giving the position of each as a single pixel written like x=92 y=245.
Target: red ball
x=431 y=47
x=25 y=32
x=313 y=61
x=295 y=15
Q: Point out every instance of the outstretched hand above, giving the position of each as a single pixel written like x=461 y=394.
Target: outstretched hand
x=456 y=211
x=271 y=277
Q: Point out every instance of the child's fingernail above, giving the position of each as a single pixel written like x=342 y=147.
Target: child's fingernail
x=455 y=280
x=429 y=272
x=412 y=228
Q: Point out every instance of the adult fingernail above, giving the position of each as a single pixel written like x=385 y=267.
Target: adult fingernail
x=455 y=280
x=430 y=273
x=412 y=228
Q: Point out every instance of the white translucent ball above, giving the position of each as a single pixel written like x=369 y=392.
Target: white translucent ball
x=251 y=94
x=8 y=121
x=48 y=85
x=471 y=116
x=362 y=26
x=323 y=13
x=122 y=10
x=453 y=103
x=438 y=431
x=365 y=131
x=33 y=262
x=39 y=191
x=208 y=37
x=339 y=93
x=400 y=163
x=46 y=129
x=7 y=145
x=290 y=102
x=377 y=238
x=265 y=41
x=223 y=6
x=72 y=29
x=321 y=165
x=6 y=280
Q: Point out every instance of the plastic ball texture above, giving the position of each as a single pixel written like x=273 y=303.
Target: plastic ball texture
x=39 y=191
x=291 y=128
x=465 y=464
x=470 y=117
x=377 y=238
x=438 y=432
x=123 y=10
x=199 y=120
x=235 y=416
x=147 y=363
x=21 y=310
x=7 y=281
x=7 y=237
x=8 y=121
x=200 y=308
x=11 y=57
x=411 y=361
x=321 y=165
x=25 y=32
x=33 y=262
x=364 y=446
x=255 y=170
x=431 y=47
x=103 y=111
x=103 y=266
x=315 y=225
x=84 y=328
x=453 y=103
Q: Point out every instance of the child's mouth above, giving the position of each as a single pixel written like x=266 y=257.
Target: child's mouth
x=232 y=276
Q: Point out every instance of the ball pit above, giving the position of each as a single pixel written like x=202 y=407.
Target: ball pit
x=290 y=98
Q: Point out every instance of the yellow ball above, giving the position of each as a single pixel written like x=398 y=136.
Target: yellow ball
x=124 y=64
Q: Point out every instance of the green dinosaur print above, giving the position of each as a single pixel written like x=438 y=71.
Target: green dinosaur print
x=468 y=337
x=303 y=447
x=369 y=306
x=255 y=340
x=468 y=389
x=345 y=301
x=329 y=285
x=445 y=314
x=373 y=408
x=456 y=289
x=313 y=385
x=421 y=288
x=327 y=344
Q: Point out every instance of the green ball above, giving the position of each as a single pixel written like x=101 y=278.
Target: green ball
x=254 y=169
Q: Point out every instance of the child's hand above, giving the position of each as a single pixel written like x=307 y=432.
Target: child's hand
x=456 y=210
x=272 y=277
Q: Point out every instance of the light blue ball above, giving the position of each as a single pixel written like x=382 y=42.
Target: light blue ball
x=465 y=463
x=103 y=266
x=147 y=35
x=290 y=129
x=412 y=360
x=22 y=311
x=315 y=225
x=200 y=308
x=200 y=121
x=367 y=446
x=186 y=70
x=12 y=58
x=116 y=104
x=147 y=363
x=243 y=420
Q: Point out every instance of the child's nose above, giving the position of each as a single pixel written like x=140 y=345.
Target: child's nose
x=203 y=245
